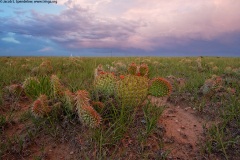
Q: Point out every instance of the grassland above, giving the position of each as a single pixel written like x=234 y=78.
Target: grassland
x=209 y=86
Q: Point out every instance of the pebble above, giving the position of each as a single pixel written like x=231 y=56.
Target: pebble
x=71 y=152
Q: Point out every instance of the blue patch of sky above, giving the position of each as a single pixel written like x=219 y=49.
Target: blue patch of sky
x=9 y=10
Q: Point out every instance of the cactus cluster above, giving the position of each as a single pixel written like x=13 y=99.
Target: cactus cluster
x=160 y=87
x=105 y=84
x=132 y=90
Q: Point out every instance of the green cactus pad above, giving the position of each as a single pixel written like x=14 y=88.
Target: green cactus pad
x=69 y=100
x=89 y=117
x=40 y=106
x=143 y=69
x=58 y=89
x=105 y=84
x=132 y=69
x=132 y=90
x=160 y=87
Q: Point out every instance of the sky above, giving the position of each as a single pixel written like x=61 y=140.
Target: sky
x=120 y=28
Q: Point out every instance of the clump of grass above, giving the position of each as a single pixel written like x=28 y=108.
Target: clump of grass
x=224 y=137
x=34 y=87
x=151 y=116
x=3 y=122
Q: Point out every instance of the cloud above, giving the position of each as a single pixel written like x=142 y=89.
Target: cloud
x=10 y=39
x=46 y=49
x=137 y=24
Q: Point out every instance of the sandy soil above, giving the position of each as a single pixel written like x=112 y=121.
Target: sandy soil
x=183 y=133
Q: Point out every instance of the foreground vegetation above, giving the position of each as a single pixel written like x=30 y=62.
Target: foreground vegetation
x=209 y=85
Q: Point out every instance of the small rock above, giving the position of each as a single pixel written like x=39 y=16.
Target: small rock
x=71 y=152
x=50 y=150
x=182 y=127
x=178 y=130
x=176 y=121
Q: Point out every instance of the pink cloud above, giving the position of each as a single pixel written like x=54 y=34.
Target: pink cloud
x=136 y=24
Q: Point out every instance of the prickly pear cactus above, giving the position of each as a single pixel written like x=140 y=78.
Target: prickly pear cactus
x=143 y=69
x=132 y=69
x=82 y=98
x=105 y=84
x=40 y=106
x=160 y=87
x=69 y=100
x=57 y=86
x=87 y=115
x=132 y=90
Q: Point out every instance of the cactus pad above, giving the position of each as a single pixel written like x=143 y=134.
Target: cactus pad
x=40 y=106
x=69 y=100
x=143 y=69
x=132 y=90
x=57 y=86
x=105 y=84
x=132 y=69
x=160 y=87
x=89 y=117
x=82 y=98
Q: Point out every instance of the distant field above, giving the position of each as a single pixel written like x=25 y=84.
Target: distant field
x=199 y=119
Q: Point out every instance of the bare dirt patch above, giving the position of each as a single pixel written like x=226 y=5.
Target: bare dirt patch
x=184 y=131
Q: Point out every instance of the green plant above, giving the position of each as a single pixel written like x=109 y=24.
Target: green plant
x=105 y=84
x=132 y=90
x=160 y=87
x=151 y=116
x=34 y=87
